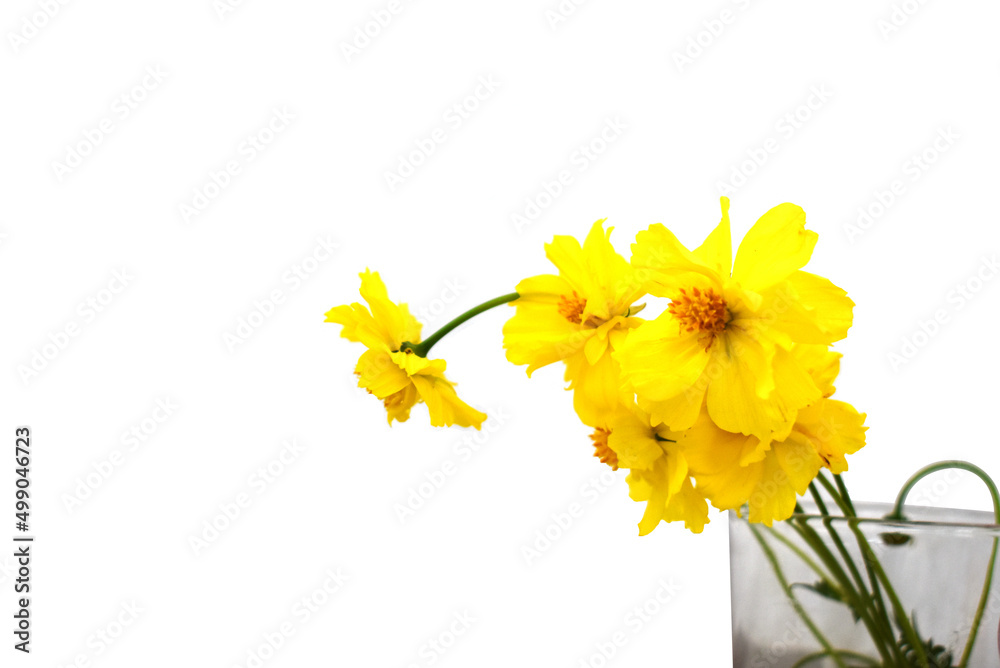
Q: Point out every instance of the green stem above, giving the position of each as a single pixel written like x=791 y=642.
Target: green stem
x=843 y=652
x=800 y=553
x=844 y=493
x=864 y=601
x=881 y=612
x=425 y=346
x=897 y=510
x=869 y=556
x=813 y=539
x=897 y=514
x=769 y=553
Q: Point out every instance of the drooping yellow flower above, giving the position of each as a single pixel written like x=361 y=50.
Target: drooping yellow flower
x=823 y=433
x=400 y=379
x=579 y=316
x=658 y=469
x=725 y=339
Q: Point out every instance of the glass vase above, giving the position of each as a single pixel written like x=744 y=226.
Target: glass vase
x=936 y=560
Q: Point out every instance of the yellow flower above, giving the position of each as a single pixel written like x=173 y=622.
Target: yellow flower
x=658 y=469
x=399 y=379
x=579 y=316
x=822 y=435
x=725 y=339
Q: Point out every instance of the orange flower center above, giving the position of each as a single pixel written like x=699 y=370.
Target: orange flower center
x=571 y=308
x=700 y=310
x=601 y=450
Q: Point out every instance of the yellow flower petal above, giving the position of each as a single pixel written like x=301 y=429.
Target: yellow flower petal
x=717 y=250
x=667 y=265
x=769 y=486
x=775 y=246
x=596 y=346
x=835 y=429
x=809 y=308
x=821 y=363
x=398 y=405
x=678 y=412
x=388 y=317
x=714 y=456
x=596 y=272
x=538 y=335
x=659 y=361
x=542 y=289
x=415 y=364
x=358 y=325
x=687 y=506
x=785 y=472
x=734 y=404
x=596 y=387
x=577 y=317
x=444 y=406
x=399 y=379
x=656 y=503
x=566 y=254
x=633 y=441
x=379 y=374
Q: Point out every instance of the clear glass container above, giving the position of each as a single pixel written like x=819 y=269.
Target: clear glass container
x=936 y=560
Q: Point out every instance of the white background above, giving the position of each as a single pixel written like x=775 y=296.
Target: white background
x=443 y=235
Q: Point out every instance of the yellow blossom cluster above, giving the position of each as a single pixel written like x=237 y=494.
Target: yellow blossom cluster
x=724 y=398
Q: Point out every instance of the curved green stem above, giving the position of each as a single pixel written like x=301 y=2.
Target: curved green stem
x=897 y=510
x=425 y=346
x=897 y=514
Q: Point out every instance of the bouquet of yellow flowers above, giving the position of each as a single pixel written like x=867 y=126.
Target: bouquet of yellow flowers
x=724 y=398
